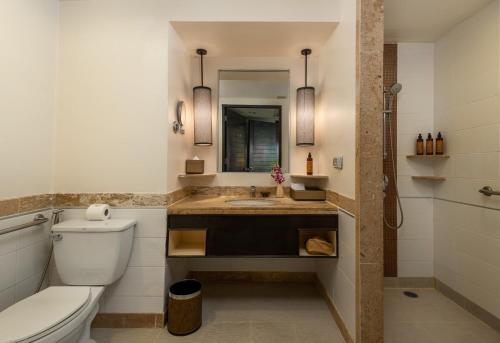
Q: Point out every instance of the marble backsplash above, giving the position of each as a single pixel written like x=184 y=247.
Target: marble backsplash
x=38 y=202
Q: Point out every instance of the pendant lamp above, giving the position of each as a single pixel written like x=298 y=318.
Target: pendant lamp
x=202 y=109
x=305 y=110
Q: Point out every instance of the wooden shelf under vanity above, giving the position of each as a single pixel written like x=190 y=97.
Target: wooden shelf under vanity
x=429 y=178
x=187 y=242
x=194 y=176
x=223 y=236
x=427 y=157
x=327 y=234
x=313 y=177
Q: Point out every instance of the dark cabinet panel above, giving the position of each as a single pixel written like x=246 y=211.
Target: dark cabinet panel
x=260 y=235
x=251 y=236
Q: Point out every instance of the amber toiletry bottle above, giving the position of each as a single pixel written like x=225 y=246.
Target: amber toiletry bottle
x=309 y=164
x=439 y=144
x=429 y=145
x=420 y=145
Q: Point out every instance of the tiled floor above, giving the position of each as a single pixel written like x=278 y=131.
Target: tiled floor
x=292 y=313
x=248 y=313
x=431 y=318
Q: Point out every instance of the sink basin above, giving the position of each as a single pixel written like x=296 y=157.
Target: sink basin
x=250 y=202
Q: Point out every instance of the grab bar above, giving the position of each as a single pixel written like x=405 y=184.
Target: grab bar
x=488 y=191
x=39 y=219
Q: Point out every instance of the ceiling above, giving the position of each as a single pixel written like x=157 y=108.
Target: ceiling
x=425 y=20
x=254 y=39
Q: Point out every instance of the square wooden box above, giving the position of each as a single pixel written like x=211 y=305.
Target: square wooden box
x=308 y=194
x=195 y=166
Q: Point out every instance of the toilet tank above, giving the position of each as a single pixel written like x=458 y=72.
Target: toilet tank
x=92 y=253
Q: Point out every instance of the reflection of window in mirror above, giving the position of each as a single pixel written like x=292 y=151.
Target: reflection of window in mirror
x=254 y=120
x=252 y=137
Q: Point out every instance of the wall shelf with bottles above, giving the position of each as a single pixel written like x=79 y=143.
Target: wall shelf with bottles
x=427 y=157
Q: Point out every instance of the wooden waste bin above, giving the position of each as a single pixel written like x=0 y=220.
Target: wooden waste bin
x=184 y=307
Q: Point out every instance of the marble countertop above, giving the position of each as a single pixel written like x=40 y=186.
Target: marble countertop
x=203 y=204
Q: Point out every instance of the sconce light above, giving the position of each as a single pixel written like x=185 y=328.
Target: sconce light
x=202 y=109
x=305 y=110
x=180 y=113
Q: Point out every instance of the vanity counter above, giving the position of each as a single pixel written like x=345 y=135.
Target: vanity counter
x=220 y=205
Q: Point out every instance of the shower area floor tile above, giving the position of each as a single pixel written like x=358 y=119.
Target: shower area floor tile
x=431 y=318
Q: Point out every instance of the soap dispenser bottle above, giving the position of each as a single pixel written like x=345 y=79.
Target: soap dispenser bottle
x=439 y=144
x=420 y=145
x=429 y=145
x=309 y=166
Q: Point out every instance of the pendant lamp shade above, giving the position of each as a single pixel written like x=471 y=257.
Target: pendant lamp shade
x=202 y=105
x=202 y=109
x=305 y=116
x=305 y=111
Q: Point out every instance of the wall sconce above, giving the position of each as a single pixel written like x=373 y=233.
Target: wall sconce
x=180 y=114
x=305 y=110
x=202 y=109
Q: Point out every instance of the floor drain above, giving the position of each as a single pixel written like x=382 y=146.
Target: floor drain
x=410 y=294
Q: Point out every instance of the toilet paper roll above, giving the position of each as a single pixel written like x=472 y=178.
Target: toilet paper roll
x=98 y=212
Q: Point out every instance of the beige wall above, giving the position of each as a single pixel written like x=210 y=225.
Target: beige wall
x=415 y=115
x=336 y=133
x=28 y=36
x=28 y=32
x=180 y=88
x=114 y=83
x=467 y=95
x=112 y=91
x=256 y=10
x=337 y=101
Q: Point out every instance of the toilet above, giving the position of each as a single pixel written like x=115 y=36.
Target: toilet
x=89 y=255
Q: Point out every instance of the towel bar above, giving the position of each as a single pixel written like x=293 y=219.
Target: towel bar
x=39 y=219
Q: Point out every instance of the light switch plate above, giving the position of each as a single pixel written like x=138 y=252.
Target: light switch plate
x=338 y=162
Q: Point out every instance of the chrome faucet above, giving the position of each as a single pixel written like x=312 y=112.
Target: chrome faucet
x=253 y=191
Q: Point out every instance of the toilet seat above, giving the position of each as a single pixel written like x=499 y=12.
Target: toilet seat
x=42 y=313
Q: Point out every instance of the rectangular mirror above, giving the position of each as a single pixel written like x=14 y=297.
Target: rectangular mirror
x=254 y=120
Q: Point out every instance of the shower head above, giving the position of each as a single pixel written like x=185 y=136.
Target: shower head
x=389 y=93
x=395 y=88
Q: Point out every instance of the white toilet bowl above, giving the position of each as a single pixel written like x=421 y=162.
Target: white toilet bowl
x=89 y=255
x=57 y=314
